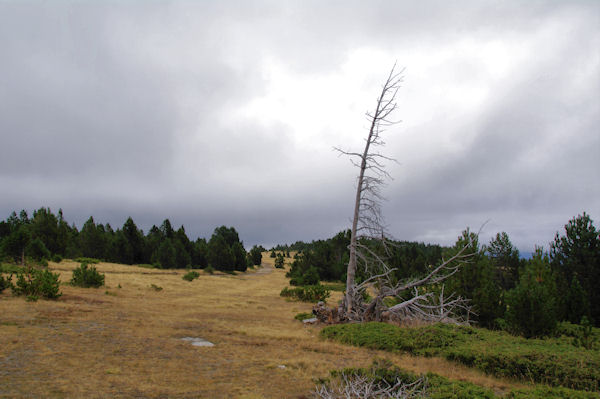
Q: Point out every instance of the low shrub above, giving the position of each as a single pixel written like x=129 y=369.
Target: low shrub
x=56 y=258
x=307 y=293
x=209 y=269
x=155 y=287
x=34 y=283
x=383 y=373
x=87 y=276
x=279 y=261
x=87 y=260
x=191 y=275
x=5 y=282
x=553 y=361
x=546 y=392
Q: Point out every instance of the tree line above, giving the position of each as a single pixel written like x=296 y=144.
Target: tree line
x=527 y=296
x=49 y=236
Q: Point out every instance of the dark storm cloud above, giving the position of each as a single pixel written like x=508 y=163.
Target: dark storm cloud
x=137 y=108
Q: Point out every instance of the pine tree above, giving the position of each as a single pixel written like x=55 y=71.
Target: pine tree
x=576 y=255
x=531 y=304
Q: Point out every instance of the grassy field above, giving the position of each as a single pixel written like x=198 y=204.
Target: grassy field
x=124 y=340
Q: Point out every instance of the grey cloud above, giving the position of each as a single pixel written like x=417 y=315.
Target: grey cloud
x=130 y=109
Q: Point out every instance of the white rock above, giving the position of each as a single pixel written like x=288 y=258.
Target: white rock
x=198 y=341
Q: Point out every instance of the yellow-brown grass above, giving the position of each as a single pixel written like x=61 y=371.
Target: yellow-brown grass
x=125 y=342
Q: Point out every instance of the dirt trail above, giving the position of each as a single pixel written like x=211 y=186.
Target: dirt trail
x=126 y=342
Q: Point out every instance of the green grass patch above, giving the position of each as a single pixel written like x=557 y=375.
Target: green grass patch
x=303 y=316
x=334 y=286
x=552 y=361
x=10 y=268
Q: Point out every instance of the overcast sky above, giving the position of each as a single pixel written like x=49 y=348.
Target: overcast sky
x=225 y=113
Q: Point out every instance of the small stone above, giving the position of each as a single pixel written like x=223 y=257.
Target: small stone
x=281 y=366
x=310 y=321
x=198 y=341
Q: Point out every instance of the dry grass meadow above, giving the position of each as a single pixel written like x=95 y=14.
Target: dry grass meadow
x=124 y=342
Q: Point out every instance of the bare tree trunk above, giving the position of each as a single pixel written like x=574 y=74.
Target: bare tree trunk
x=385 y=106
x=368 y=224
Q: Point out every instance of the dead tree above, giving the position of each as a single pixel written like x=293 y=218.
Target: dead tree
x=354 y=386
x=414 y=303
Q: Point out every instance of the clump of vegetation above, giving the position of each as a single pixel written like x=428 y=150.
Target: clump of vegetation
x=279 y=261
x=255 y=255
x=57 y=258
x=83 y=259
x=191 y=275
x=303 y=316
x=87 y=276
x=5 y=282
x=36 y=250
x=585 y=337
x=532 y=310
x=155 y=287
x=382 y=375
x=34 y=283
x=552 y=361
x=335 y=286
x=11 y=268
x=307 y=293
x=209 y=269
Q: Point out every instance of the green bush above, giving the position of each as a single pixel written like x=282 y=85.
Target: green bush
x=5 y=282
x=309 y=277
x=34 y=283
x=56 y=258
x=156 y=287
x=585 y=337
x=553 y=361
x=279 y=261
x=87 y=276
x=191 y=275
x=307 y=293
